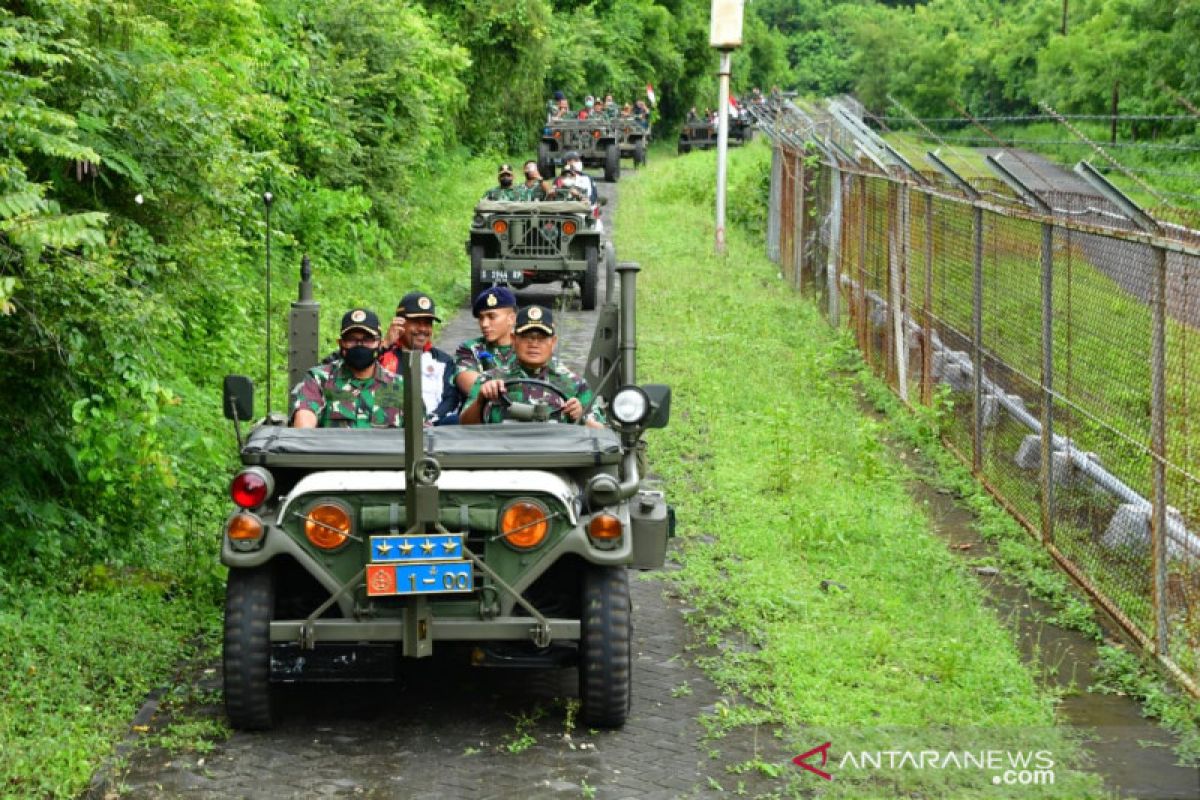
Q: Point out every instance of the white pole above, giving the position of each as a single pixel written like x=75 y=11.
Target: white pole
x=722 y=149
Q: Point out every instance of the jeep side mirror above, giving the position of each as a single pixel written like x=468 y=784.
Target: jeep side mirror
x=238 y=401
x=660 y=404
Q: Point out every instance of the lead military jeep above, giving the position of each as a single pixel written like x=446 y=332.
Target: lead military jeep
x=351 y=550
x=521 y=243
x=596 y=140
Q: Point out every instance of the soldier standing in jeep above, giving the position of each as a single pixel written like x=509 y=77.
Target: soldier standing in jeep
x=535 y=375
x=354 y=391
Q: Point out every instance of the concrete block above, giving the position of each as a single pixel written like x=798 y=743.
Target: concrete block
x=1128 y=528
x=990 y=410
x=1029 y=454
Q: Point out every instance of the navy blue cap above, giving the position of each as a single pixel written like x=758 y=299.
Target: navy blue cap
x=559 y=96
x=417 y=305
x=494 y=297
x=363 y=319
x=535 y=318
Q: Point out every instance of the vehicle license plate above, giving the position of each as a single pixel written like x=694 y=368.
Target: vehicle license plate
x=426 y=564
x=503 y=276
x=430 y=578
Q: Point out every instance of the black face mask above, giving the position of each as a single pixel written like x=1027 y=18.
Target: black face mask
x=359 y=357
x=506 y=181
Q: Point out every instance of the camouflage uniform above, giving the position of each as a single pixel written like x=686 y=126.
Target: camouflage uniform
x=342 y=401
x=535 y=192
x=476 y=355
x=504 y=193
x=554 y=373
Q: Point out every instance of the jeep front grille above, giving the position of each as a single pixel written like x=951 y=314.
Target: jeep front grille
x=537 y=237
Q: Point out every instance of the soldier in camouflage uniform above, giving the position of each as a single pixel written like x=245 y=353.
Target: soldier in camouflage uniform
x=354 y=391
x=534 y=187
x=496 y=310
x=506 y=190
x=533 y=346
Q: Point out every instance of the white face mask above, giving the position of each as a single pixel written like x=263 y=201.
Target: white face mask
x=577 y=166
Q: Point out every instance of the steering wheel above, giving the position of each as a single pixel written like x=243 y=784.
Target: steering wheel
x=505 y=401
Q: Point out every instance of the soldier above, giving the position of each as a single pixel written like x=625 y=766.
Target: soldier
x=589 y=103
x=354 y=391
x=505 y=191
x=533 y=346
x=573 y=162
x=416 y=315
x=562 y=108
x=534 y=187
x=496 y=310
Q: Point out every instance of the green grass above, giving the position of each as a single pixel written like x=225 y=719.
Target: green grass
x=769 y=457
x=81 y=655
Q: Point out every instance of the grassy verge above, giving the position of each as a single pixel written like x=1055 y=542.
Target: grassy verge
x=846 y=619
x=81 y=654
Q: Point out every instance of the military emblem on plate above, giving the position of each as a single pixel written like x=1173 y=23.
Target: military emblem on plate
x=424 y=303
x=535 y=313
x=491 y=301
x=358 y=316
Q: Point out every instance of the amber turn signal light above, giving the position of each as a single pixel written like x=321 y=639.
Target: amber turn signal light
x=244 y=528
x=568 y=228
x=500 y=226
x=327 y=526
x=524 y=524
x=605 y=528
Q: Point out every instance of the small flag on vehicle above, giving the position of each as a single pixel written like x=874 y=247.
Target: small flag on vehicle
x=650 y=95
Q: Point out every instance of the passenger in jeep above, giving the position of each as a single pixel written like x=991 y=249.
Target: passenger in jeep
x=496 y=310
x=354 y=391
x=412 y=329
x=534 y=341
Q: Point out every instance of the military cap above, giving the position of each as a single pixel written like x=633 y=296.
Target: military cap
x=572 y=155
x=494 y=297
x=505 y=169
x=535 y=318
x=558 y=95
x=417 y=305
x=363 y=319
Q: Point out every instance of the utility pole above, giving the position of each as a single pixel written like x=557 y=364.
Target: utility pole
x=1064 y=17
x=725 y=34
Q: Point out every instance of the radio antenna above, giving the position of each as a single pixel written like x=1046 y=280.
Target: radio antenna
x=268 y=198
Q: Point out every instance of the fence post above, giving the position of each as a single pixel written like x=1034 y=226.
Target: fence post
x=927 y=309
x=801 y=210
x=835 y=242
x=860 y=301
x=1158 y=399
x=773 y=203
x=1034 y=200
x=977 y=343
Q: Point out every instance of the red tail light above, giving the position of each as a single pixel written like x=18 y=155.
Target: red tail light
x=252 y=487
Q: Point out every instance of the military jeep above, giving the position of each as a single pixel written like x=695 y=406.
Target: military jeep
x=596 y=141
x=350 y=551
x=701 y=135
x=523 y=243
x=633 y=139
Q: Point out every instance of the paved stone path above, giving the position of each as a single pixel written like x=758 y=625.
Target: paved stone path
x=446 y=730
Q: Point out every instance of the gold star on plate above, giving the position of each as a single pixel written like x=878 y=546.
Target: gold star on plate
x=383 y=548
x=427 y=547
x=406 y=548
x=449 y=544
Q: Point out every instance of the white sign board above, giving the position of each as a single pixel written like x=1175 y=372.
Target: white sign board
x=725 y=27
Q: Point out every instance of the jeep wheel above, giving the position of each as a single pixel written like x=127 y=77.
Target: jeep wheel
x=591 y=277
x=639 y=154
x=612 y=163
x=477 y=285
x=249 y=602
x=545 y=161
x=605 y=662
x=684 y=148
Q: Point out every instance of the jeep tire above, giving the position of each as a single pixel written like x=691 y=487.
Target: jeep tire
x=249 y=604
x=545 y=161
x=591 y=278
x=605 y=648
x=477 y=284
x=639 y=154
x=612 y=163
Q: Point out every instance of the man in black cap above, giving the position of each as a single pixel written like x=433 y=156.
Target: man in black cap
x=506 y=190
x=354 y=391
x=573 y=183
x=496 y=310
x=534 y=341
x=412 y=329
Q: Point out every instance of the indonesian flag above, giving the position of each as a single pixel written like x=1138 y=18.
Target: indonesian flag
x=733 y=101
x=650 y=95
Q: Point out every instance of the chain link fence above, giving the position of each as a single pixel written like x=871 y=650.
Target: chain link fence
x=1064 y=337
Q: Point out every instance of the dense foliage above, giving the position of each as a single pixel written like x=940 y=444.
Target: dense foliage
x=991 y=56
x=137 y=139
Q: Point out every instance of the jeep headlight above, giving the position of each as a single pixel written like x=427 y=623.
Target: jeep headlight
x=630 y=406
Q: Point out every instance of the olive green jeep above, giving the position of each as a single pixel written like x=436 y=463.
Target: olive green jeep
x=350 y=551
x=521 y=243
x=596 y=140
